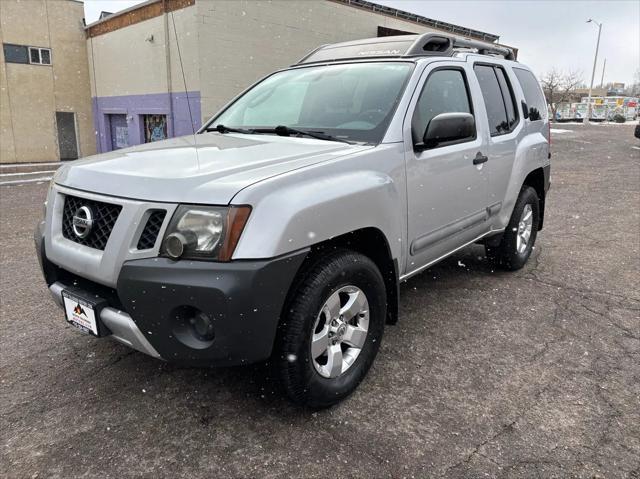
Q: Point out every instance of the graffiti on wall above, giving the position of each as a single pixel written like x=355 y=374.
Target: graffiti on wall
x=155 y=128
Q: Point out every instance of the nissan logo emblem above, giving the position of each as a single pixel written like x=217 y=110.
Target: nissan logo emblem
x=82 y=222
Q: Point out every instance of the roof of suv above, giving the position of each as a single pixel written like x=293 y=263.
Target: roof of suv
x=405 y=46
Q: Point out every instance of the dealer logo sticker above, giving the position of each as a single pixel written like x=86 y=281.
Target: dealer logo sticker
x=78 y=310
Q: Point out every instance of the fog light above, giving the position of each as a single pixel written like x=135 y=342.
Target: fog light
x=175 y=244
x=202 y=327
x=192 y=327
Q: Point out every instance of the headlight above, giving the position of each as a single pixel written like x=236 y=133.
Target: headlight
x=204 y=232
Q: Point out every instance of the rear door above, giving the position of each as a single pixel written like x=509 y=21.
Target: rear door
x=504 y=127
x=447 y=192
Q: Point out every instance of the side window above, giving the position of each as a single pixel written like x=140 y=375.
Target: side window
x=25 y=54
x=493 y=100
x=508 y=98
x=445 y=91
x=532 y=94
x=39 y=56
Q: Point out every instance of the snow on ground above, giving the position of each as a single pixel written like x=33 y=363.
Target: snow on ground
x=559 y=130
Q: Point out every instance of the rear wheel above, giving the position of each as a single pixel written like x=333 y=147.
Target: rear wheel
x=331 y=332
x=518 y=239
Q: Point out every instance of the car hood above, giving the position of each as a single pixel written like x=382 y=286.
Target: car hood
x=208 y=168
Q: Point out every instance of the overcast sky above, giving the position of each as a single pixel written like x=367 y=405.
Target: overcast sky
x=548 y=33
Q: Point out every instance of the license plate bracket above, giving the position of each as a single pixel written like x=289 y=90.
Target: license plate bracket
x=83 y=311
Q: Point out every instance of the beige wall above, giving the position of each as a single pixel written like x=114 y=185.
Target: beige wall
x=31 y=94
x=128 y=62
x=243 y=40
x=226 y=45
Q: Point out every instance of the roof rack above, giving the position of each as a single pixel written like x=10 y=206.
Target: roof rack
x=427 y=44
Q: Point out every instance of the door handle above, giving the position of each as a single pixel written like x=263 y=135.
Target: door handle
x=480 y=158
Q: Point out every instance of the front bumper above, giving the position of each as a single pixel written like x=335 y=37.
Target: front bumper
x=151 y=307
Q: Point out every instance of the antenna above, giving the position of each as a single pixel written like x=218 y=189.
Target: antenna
x=184 y=80
x=95 y=90
x=186 y=92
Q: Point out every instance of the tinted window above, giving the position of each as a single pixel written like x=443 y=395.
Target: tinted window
x=444 y=92
x=493 y=100
x=15 y=53
x=508 y=98
x=532 y=94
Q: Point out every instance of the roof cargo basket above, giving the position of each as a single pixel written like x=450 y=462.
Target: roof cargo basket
x=427 y=44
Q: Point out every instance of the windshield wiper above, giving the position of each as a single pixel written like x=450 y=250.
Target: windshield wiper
x=279 y=130
x=282 y=130
x=227 y=129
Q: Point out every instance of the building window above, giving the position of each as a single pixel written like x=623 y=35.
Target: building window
x=155 y=128
x=15 y=53
x=39 y=56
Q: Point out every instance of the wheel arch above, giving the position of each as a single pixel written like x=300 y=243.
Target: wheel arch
x=371 y=242
x=537 y=179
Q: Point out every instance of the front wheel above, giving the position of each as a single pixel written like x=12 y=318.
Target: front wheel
x=520 y=235
x=331 y=331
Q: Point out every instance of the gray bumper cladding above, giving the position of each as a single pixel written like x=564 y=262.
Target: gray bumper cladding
x=241 y=301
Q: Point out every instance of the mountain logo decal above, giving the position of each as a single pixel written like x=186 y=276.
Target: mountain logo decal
x=79 y=311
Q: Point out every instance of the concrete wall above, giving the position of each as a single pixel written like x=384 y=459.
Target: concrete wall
x=137 y=72
x=243 y=40
x=31 y=94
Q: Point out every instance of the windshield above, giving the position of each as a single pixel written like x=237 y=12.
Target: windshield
x=349 y=101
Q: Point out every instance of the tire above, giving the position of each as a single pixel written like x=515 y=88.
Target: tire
x=336 y=275
x=507 y=254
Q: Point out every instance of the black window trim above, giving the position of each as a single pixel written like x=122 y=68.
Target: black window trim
x=462 y=70
x=516 y=109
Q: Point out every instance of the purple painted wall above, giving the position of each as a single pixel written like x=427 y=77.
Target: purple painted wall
x=175 y=106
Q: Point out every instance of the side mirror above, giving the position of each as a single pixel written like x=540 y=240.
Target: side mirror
x=448 y=128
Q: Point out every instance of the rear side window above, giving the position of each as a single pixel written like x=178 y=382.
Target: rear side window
x=493 y=99
x=532 y=94
x=445 y=91
x=508 y=97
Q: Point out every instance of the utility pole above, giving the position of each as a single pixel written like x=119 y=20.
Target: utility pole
x=593 y=73
x=602 y=79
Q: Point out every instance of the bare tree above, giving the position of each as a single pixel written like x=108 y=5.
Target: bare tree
x=559 y=87
x=634 y=88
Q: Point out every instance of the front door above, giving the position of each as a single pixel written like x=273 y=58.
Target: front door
x=67 y=139
x=446 y=189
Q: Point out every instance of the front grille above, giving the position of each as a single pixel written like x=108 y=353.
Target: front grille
x=104 y=218
x=151 y=230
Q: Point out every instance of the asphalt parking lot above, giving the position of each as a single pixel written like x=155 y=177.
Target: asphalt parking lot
x=487 y=374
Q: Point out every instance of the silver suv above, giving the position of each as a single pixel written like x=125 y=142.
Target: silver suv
x=283 y=228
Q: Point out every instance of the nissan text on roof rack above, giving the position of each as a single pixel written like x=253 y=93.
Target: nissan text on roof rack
x=283 y=228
